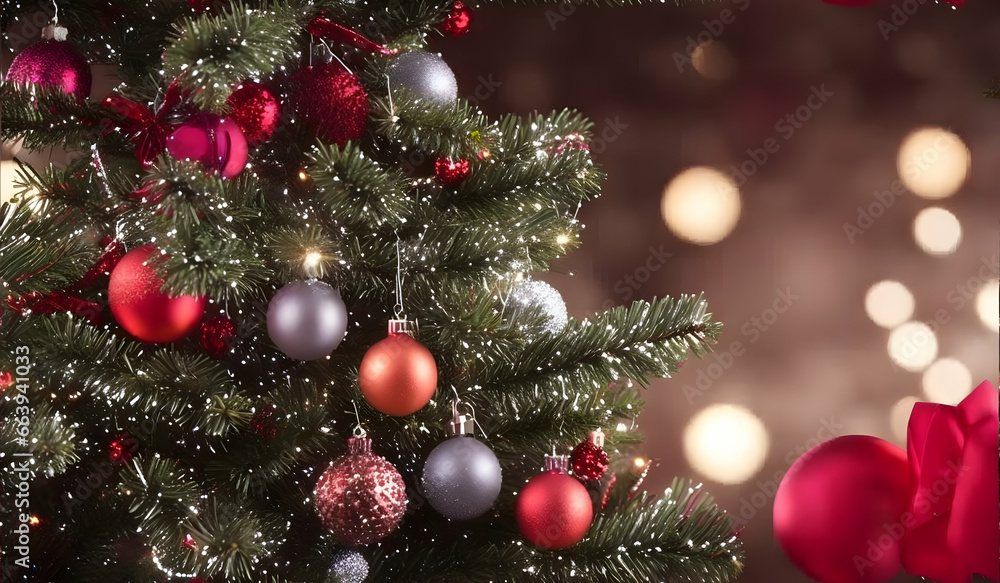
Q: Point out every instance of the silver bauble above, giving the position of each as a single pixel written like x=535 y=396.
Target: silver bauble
x=426 y=75
x=307 y=319
x=462 y=478
x=530 y=300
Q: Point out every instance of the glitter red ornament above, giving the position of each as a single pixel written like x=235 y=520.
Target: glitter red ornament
x=398 y=375
x=6 y=380
x=330 y=102
x=53 y=63
x=451 y=172
x=142 y=309
x=216 y=335
x=589 y=460
x=458 y=20
x=361 y=497
x=263 y=424
x=255 y=110
x=554 y=509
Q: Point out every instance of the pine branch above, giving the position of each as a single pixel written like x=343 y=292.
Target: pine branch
x=45 y=117
x=212 y=54
x=428 y=128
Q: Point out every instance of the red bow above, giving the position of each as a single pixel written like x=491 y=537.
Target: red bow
x=953 y=455
x=148 y=131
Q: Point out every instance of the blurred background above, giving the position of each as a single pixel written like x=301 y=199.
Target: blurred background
x=827 y=176
x=764 y=153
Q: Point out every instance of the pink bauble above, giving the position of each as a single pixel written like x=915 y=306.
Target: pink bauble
x=841 y=510
x=53 y=63
x=214 y=141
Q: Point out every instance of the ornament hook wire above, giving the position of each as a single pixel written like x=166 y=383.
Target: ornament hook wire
x=398 y=308
x=359 y=431
x=55 y=17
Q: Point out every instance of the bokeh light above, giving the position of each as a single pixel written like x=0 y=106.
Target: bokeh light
x=913 y=346
x=937 y=231
x=933 y=162
x=988 y=305
x=8 y=173
x=701 y=205
x=726 y=443
x=947 y=381
x=713 y=60
x=889 y=303
x=899 y=417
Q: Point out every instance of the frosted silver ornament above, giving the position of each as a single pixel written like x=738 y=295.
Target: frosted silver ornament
x=426 y=75
x=307 y=319
x=348 y=567
x=536 y=307
x=462 y=476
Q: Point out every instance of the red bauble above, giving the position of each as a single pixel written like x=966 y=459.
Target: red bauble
x=216 y=142
x=361 y=497
x=449 y=172
x=398 y=375
x=589 y=461
x=122 y=447
x=142 y=309
x=554 y=509
x=216 y=335
x=331 y=102
x=263 y=422
x=6 y=380
x=53 y=63
x=840 y=510
x=255 y=110
x=458 y=20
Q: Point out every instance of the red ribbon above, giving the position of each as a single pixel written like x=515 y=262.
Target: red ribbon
x=148 y=130
x=325 y=28
x=953 y=455
x=113 y=253
x=56 y=301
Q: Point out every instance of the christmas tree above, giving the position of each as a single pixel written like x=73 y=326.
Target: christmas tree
x=197 y=377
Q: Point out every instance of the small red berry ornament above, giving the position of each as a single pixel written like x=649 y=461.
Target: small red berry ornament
x=458 y=20
x=451 y=172
x=217 y=335
x=554 y=509
x=142 y=309
x=361 y=497
x=255 y=110
x=398 y=375
x=589 y=460
x=122 y=447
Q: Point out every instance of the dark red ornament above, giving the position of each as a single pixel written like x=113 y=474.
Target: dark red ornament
x=458 y=20
x=589 y=460
x=255 y=110
x=263 y=424
x=330 y=102
x=361 y=497
x=190 y=543
x=6 y=380
x=606 y=496
x=122 y=447
x=554 y=509
x=142 y=309
x=216 y=335
x=53 y=63
x=450 y=172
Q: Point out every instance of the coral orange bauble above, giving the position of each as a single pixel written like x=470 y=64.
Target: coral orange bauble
x=398 y=375
x=142 y=309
